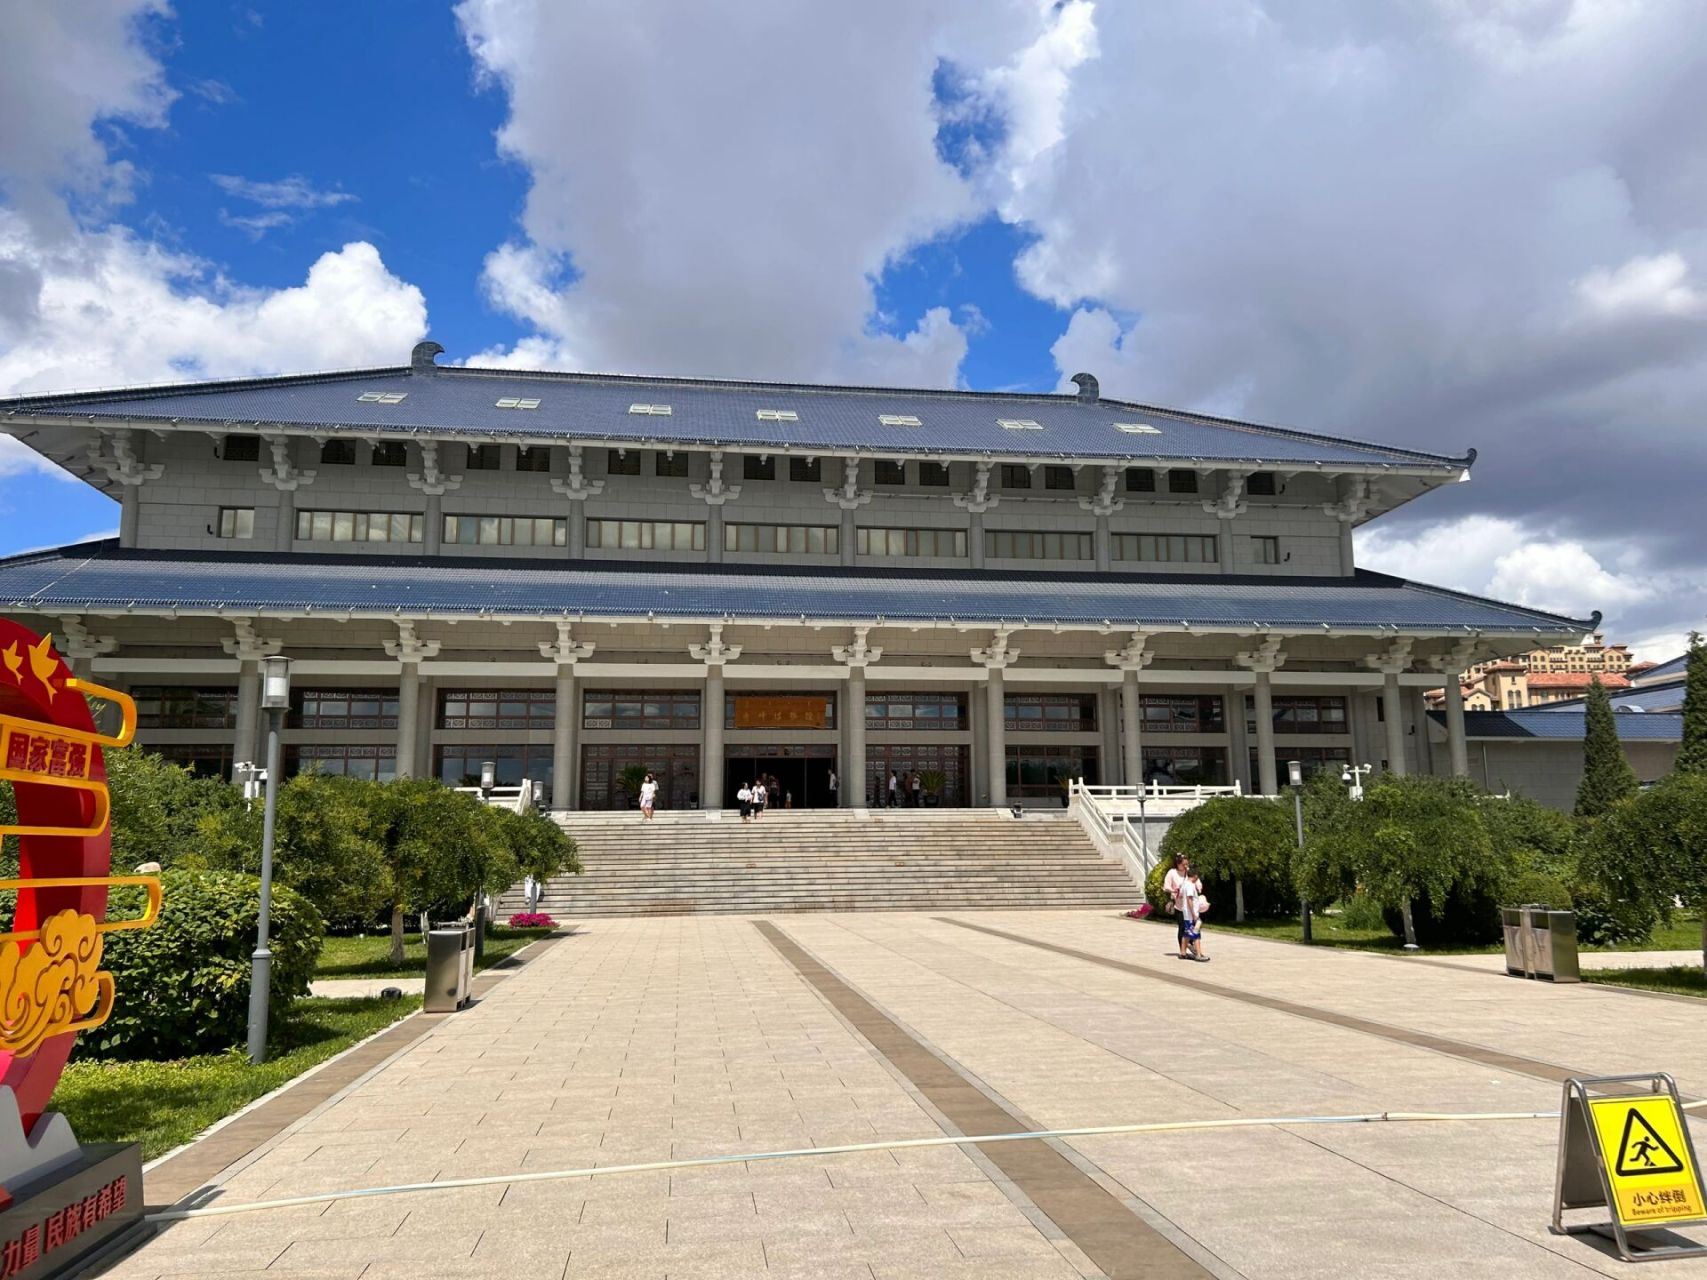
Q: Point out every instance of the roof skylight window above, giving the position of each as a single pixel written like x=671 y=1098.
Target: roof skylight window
x=518 y=402
x=655 y=410
x=899 y=420
x=1138 y=428
x=778 y=415
x=1018 y=424
x=382 y=397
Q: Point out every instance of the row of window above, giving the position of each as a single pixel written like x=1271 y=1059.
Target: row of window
x=189 y=708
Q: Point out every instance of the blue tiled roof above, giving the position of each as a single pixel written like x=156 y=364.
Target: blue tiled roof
x=1664 y=671
x=1665 y=695
x=103 y=576
x=1553 y=724
x=596 y=407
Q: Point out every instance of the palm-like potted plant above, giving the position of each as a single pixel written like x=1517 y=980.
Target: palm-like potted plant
x=931 y=782
x=1071 y=772
x=629 y=781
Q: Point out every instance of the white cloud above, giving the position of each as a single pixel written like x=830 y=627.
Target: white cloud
x=294 y=192
x=716 y=190
x=1657 y=285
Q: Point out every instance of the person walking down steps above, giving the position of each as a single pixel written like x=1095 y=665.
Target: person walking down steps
x=648 y=797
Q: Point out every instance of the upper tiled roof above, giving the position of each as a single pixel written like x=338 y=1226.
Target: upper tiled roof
x=1664 y=670
x=1564 y=725
x=578 y=406
x=1576 y=680
x=102 y=576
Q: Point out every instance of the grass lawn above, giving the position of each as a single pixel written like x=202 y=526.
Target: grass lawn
x=1682 y=934
x=371 y=957
x=1678 y=980
x=164 y=1104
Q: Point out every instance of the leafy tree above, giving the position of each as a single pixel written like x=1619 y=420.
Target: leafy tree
x=158 y=807
x=438 y=846
x=540 y=847
x=1692 y=751
x=1653 y=850
x=1607 y=775
x=1243 y=839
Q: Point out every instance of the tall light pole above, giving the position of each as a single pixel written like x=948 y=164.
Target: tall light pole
x=275 y=701
x=1295 y=776
x=488 y=780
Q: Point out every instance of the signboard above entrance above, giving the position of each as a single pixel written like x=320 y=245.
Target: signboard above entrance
x=782 y=711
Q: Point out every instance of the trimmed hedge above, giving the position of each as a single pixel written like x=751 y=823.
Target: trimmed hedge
x=183 y=985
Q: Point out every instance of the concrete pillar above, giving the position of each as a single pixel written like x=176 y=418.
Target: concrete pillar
x=130 y=512
x=1104 y=551
x=1132 y=721
x=711 y=716
x=714 y=546
x=408 y=718
x=577 y=531
x=1238 y=741
x=978 y=762
x=1108 y=724
x=244 y=742
x=1348 y=560
x=1393 y=711
x=975 y=540
x=852 y=769
x=1267 y=784
x=285 y=534
x=1224 y=545
x=433 y=525
x=849 y=544
x=1457 y=747
x=566 y=716
x=996 y=731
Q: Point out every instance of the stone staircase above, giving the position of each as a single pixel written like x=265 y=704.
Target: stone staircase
x=828 y=860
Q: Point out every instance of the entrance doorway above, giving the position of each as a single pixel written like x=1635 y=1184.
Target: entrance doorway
x=802 y=773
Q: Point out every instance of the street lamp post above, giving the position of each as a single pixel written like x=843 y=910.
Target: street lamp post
x=488 y=780
x=1295 y=776
x=275 y=701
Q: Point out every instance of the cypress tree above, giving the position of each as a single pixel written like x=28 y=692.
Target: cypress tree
x=1692 y=752
x=1607 y=775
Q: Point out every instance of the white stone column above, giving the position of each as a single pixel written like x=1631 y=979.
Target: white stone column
x=714 y=493
x=975 y=504
x=409 y=650
x=1264 y=661
x=1104 y=505
x=286 y=477
x=1357 y=497
x=1131 y=659
x=1452 y=666
x=978 y=764
x=1227 y=507
x=716 y=655
x=577 y=489
x=996 y=659
x=856 y=656
x=130 y=514
x=433 y=526
x=565 y=651
x=248 y=647
x=1393 y=660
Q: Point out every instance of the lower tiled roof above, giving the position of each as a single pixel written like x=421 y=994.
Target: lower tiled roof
x=1565 y=724
x=101 y=576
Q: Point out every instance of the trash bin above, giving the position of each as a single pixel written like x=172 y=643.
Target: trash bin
x=1540 y=942
x=450 y=966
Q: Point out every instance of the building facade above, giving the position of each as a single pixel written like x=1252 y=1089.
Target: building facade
x=571 y=575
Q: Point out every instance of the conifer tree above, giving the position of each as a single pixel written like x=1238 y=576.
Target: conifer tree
x=1607 y=775
x=1692 y=751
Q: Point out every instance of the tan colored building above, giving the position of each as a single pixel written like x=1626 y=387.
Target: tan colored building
x=1560 y=673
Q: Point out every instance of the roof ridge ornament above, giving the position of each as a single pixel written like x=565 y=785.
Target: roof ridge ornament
x=1089 y=390
x=421 y=358
x=850 y=496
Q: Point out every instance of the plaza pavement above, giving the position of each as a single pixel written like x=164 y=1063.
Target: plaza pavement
x=653 y=1039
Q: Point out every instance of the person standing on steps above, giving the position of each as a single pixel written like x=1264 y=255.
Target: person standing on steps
x=744 y=798
x=759 y=799
x=835 y=799
x=894 y=788
x=917 y=788
x=648 y=797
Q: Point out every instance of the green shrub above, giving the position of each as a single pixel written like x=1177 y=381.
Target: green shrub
x=1239 y=838
x=183 y=985
x=1359 y=912
x=1540 y=887
x=1606 y=921
x=1153 y=884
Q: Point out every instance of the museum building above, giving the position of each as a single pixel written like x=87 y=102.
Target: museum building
x=571 y=574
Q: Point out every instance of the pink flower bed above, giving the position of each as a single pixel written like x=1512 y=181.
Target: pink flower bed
x=532 y=920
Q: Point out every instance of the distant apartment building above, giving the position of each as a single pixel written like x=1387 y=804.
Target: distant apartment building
x=1560 y=673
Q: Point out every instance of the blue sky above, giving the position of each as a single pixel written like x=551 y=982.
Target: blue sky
x=1436 y=225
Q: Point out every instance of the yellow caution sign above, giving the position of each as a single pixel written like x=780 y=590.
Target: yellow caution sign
x=1649 y=1163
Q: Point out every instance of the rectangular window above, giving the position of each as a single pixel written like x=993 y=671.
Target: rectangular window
x=458 y=765
x=537 y=458
x=344 y=709
x=373 y=762
x=810 y=470
x=915 y=711
x=1015 y=476
x=941 y=543
x=1165 y=548
x=1180 y=481
x=1041 y=772
x=1182 y=713
x=670 y=464
x=1260 y=484
x=933 y=475
x=390 y=453
x=1185 y=766
x=358 y=526
x=1021 y=544
x=622 y=462
x=1314 y=760
x=1303 y=714
x=1140 y=480
x=645 y=535
x=889 y=472
x=205 y=760
x=237 y=522
x=1265 y=550
x=506 y=531
x=483 y=457
x=1051 y=712
x=640 y=709
x=675 y=765
x=497 y=709
x=242 y=449
x=788 y=539
x=180 y=707
x=1059 y=478
x=338 y=453
x=753 y=467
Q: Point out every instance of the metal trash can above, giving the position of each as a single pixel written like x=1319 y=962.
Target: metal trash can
x=450 y=966
x=1540 y=942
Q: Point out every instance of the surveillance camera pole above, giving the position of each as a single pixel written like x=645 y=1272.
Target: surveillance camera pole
x=1295 y=776
x=275 y=698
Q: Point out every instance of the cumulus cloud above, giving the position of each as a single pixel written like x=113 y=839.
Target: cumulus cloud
x=294 y=192
x=717 y=190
